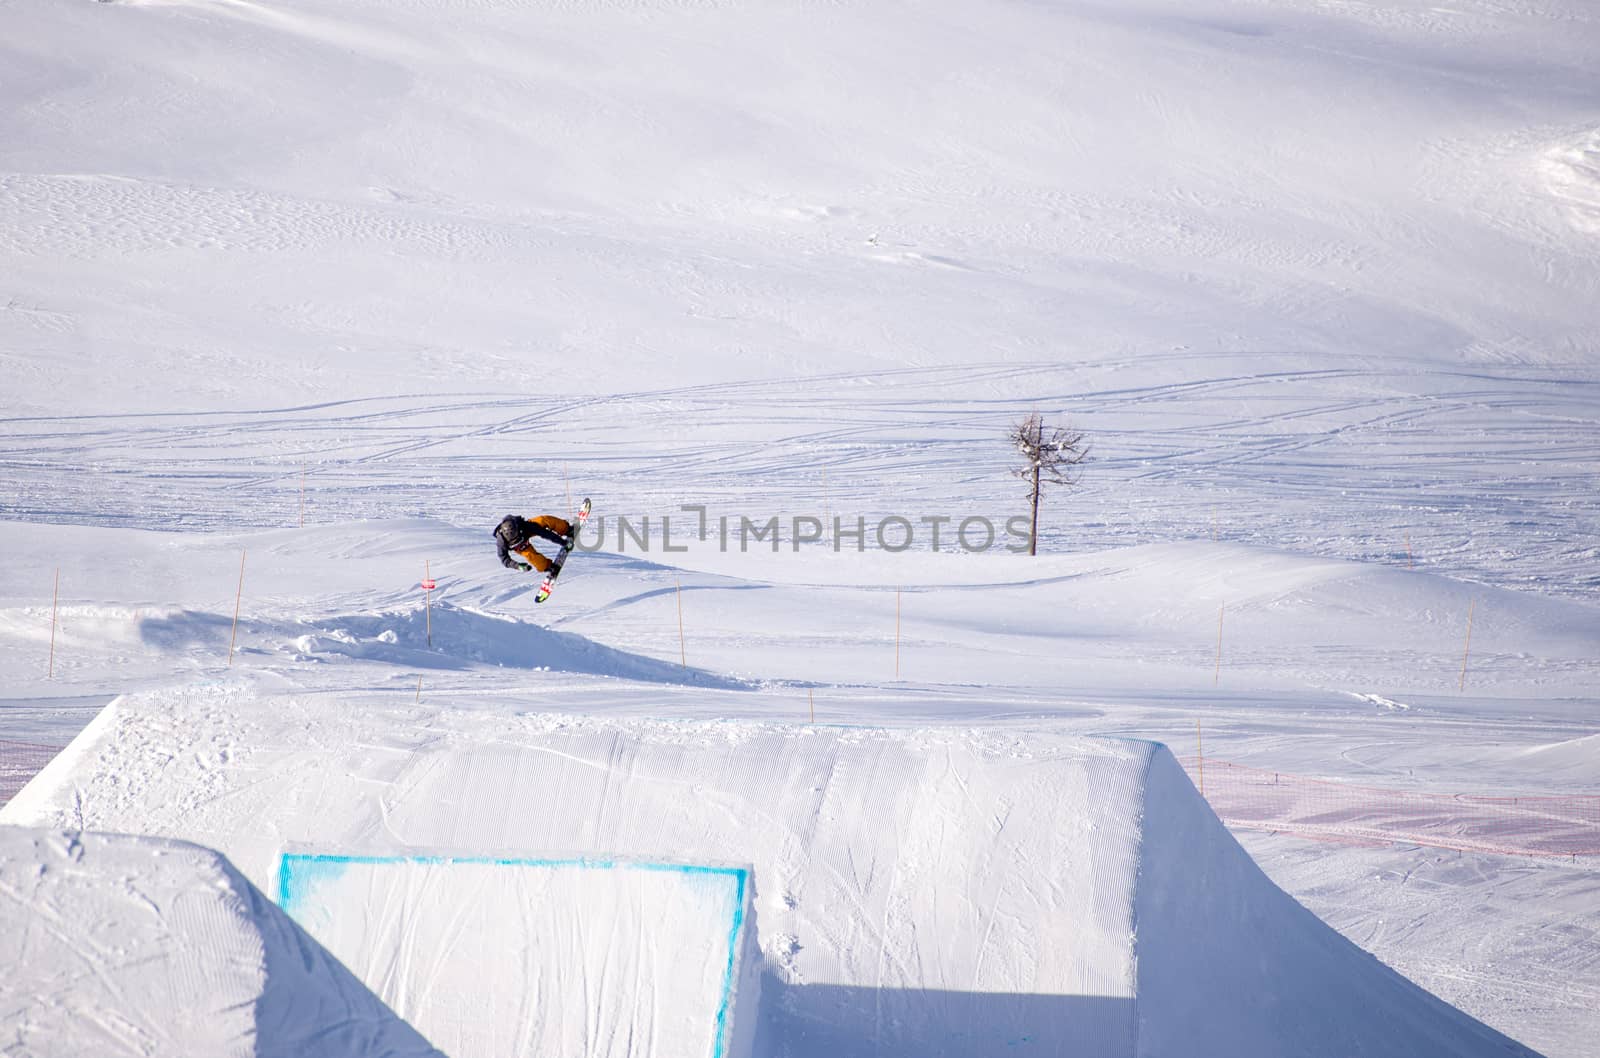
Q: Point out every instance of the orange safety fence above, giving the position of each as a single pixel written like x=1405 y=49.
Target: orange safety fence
x=19 y=762
x=1258 y=799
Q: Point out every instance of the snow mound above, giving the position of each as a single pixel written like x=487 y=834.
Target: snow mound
x=939 y=892
x=452 y=637
x=118 y=945
x=449 y=638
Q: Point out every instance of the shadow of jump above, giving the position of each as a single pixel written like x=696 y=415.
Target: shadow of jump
x=456 y=639
x=840 y=1021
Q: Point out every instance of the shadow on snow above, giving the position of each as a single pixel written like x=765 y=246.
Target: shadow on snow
x=460 y=639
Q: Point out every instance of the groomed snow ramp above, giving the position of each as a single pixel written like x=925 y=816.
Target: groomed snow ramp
x=571 y=956
x=936 y=892
x=114 y=945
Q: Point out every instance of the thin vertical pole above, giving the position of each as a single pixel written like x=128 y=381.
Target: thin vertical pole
x=827 y=515
x=1411 y=563
x=232 y=636
x=811 y=698
x=1200 y=750
x=1216 y=677
x=428 y=579
x=419 y=690
x=1462 y=685
x=55 y=604
x=683 y=657
x=897 y=633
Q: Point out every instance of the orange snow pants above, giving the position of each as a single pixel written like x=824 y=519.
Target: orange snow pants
x=559 y=526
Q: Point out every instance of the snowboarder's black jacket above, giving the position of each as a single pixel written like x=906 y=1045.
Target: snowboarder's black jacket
x=513 y=534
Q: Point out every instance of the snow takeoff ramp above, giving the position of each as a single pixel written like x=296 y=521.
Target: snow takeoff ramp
x=943 y=893
x=940 y=893
x=598 y=958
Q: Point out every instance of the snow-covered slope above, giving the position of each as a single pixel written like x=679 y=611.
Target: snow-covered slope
x=318 y=601
x=338 y=724
x=1317 y=277
x=296 y=201
x=120 y=945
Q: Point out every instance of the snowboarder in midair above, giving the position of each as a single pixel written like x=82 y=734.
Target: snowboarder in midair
x=514 y=536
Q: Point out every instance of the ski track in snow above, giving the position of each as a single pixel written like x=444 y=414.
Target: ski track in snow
x=1485 y=474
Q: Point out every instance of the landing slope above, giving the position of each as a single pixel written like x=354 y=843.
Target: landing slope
x=1230 y=964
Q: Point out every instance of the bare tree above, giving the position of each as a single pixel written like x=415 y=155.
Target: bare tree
x=1051 y=456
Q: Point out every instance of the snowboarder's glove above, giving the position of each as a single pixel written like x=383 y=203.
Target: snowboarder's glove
x=524 y=567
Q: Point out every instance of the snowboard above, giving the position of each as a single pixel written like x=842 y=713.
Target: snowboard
x=561 y=556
